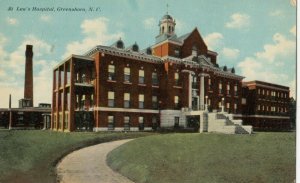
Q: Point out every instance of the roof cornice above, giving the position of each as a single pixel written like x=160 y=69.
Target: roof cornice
x=124 y=53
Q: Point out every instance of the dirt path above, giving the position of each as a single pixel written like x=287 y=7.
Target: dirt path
x=89 y=165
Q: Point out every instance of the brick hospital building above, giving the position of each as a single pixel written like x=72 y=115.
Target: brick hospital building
x=176 y=83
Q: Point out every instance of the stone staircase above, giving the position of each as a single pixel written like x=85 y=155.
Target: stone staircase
x=224 y=123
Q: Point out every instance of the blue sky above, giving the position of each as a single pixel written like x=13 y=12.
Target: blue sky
x=257 y=37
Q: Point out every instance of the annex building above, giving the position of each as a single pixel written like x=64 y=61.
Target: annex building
x=26 y=116
x=176 y=83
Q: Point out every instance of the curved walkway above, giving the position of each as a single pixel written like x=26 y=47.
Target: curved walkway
x=89 y=165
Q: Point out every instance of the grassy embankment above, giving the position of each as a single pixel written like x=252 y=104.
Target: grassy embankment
x=262 y=157
x=31 y=156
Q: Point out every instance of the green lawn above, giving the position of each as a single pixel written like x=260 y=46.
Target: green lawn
x=187 y=158
x=31 y=156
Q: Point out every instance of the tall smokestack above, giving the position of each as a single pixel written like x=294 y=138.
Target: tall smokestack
x=28 y=86
x=9 y=105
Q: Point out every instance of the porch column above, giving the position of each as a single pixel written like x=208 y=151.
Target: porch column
x=190 y=81
x=206 y=103
x=222 y=107
x=201 y=102
x=190 y=90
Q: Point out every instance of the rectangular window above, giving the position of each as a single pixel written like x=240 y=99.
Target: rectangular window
x=126 y=100
x=228 y=105
x=267 y=92
x=258 y=107
x=177 y=53
x=82 y=102
x=111 y=122
x=154 y=102
x=228 y=89
x=209 y=102
x=244 y=101
x=111 y=99
x=176 y=78
x=154 y=122
x=235 y=90
x=154 y=79
x=220 y=88
x=263 y=92
x=141 y=101
x=141 y=76
x=209 y=85
x=220 y=105
x=92 y=101
x=127 y=74
x=176 y=102
x=126 y=123
x=111 y=73
x=235 y=108
x=258 y=91
x=141 y=123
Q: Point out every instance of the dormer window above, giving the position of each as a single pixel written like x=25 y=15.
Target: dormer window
x=120 y=44
x=135 y=47
x=149 y=51
x=177 y=53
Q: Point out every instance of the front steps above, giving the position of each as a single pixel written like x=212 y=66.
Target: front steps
x=224 y=123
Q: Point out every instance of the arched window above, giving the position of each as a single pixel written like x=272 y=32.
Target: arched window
x=194 y=51
x=163 y=29
x=169 y=30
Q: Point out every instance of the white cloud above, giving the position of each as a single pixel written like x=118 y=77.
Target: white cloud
x=12 y=21
x=276 y=13
x=181 y=27
x=260 y=66
x=238 y=21
x=2 y=73
x=149 y=23
x=293 y=30
x=3 y=53
x=12 y=72
x=214 y=40
x=293 y=2
x=280 y=48
x=95 y=32
x=230 y=53
x=45 y=18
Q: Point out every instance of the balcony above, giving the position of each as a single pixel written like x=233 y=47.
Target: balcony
x=84 y=108
x=85 y=82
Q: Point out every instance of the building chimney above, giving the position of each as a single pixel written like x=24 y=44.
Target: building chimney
x=9 y=105
x=28 y=86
